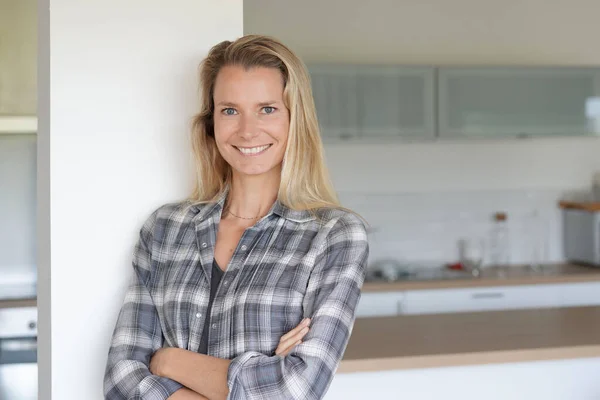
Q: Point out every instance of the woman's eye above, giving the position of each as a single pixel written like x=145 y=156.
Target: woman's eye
x=269 y=110
x=229 y=111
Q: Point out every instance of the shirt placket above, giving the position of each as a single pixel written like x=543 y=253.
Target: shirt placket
x=205 y=235
x=198 y=314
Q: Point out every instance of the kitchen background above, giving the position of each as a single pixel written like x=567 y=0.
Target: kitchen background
x=18 y=163
x=18 y=110
x=423 y=187
x=427 y=181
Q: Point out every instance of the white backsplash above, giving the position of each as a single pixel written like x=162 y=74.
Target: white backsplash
x=427 y=227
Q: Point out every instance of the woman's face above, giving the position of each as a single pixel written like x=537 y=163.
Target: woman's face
x=250 y=119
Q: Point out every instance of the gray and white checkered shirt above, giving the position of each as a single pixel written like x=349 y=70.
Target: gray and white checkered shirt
x=288 y=266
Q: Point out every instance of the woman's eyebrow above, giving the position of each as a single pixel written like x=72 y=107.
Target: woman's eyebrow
x=261 y=104
x=226 y=104
x=267 y=103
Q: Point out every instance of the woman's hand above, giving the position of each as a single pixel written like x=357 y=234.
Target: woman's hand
x=292 y=338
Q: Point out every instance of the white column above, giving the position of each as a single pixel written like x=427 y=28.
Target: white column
x=117 y=89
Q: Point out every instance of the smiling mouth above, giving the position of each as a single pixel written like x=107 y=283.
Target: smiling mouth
x=253 y=151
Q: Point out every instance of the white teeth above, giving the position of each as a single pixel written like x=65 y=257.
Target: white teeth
x=253 y=150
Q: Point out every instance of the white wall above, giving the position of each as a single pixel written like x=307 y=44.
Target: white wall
x=441 y=32
x=494 y=164
x=562 y=32
x=117 y=90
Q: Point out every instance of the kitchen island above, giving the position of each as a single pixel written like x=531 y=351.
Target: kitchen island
x=535 y=353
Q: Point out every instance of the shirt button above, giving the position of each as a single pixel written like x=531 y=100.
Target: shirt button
x=214 y=326
x=244 y=247
x=204 y=245
x=225 y=283
x=198 y=315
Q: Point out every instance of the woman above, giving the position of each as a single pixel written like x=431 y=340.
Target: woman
x=227 y=283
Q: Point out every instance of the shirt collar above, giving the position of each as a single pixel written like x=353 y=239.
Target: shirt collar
x=278 y=209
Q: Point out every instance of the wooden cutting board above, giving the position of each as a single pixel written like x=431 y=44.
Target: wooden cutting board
x=592 y=207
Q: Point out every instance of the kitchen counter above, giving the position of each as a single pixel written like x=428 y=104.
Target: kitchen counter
x=506 y=276
x=18 y=295
x=441 y=340
x=13 y=303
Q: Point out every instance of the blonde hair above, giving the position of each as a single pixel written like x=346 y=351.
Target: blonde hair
x=305 y=182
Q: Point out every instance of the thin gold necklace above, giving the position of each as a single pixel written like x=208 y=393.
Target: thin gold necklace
x=237 y=216
x=228 y=211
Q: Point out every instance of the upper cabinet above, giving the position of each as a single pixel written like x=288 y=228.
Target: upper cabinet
x=18 y=55
x=335 y=90
x=518 y=102
x=373 y=102
x=396 y=102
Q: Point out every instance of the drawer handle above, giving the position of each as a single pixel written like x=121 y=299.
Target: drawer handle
x=497 y=295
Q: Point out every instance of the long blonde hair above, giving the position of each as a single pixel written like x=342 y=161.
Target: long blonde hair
x=305 y=183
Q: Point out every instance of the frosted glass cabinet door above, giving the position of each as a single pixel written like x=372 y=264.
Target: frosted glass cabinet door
x=511 y=101
x=335 y=93
x=396 y=101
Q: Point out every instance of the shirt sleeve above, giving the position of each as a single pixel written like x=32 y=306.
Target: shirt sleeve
x=137 y=336
x=332 y=295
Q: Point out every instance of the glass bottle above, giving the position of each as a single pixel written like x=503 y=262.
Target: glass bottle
x=499 y=241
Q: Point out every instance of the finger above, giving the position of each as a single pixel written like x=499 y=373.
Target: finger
x=287 y=351
x=293 y=339
x=298 y=328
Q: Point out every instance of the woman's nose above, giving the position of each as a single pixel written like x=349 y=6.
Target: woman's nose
x=248 y=126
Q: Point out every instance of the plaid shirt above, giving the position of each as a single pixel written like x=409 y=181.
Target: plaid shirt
x=288 y=266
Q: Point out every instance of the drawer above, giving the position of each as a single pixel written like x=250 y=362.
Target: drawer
x=480 y=299
x=580 y=294
x=382 y=304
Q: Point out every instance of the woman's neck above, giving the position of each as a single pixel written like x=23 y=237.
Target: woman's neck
x=251 y=197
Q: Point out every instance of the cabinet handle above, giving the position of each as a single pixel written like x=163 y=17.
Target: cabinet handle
x=496 y=295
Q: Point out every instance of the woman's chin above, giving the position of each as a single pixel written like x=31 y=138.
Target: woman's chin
x=255 y=171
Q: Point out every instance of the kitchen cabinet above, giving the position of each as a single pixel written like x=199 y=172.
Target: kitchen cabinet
x=382 y=304
x=396 y=102
x=435 y=301
x=18 y=52
x=369 y=103
x=335 y=90
x=518 y=102
x=548 y=378
x=18 y=353
x=580 y=294
x=480 y=299
x=374 y=102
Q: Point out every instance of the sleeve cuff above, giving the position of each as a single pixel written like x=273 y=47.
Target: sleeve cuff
x=158 y=388
x=236 y=365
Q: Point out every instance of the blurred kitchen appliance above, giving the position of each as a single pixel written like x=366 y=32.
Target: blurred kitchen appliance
x=18 y=353
x=581 y=231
